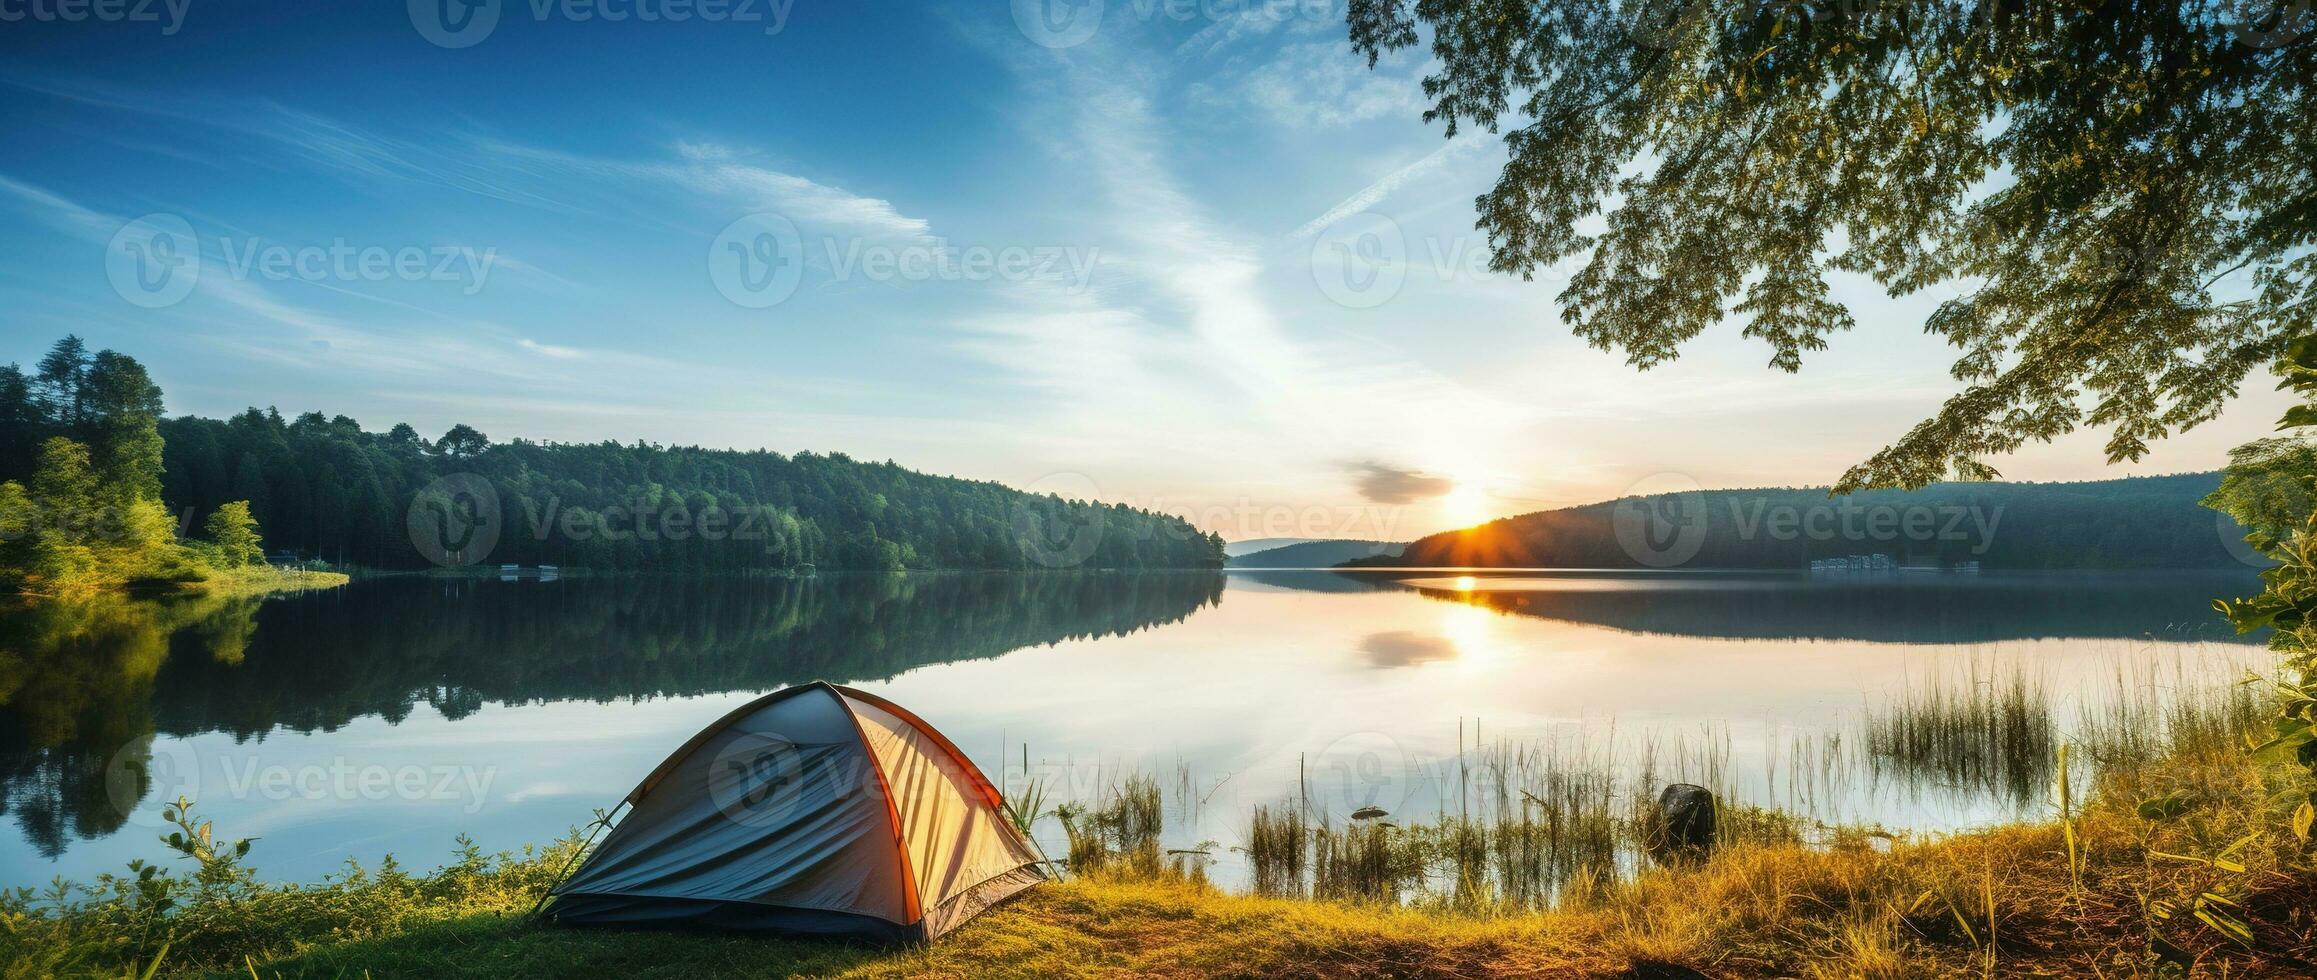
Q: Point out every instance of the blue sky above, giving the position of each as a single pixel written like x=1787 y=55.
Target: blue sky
x=1202 y=260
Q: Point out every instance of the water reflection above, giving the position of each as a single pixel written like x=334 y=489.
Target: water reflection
x=77 y=684
x=548 y=700
x=83 y=688
x=1927 y=609
x=1405 y=648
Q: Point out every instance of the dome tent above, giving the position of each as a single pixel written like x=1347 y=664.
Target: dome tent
x=814 y=809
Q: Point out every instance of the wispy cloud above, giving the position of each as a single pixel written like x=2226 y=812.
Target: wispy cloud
x=1375 y=193
x=549 y=350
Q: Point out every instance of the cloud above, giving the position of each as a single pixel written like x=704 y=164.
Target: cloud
x=549 y=350
x=1321 y=85
x=1371 y=195
x=1385 y=484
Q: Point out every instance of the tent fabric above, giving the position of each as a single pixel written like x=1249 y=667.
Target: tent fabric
x=815 y=809
x=954 y=838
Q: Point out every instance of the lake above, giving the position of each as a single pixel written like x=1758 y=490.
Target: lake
x=395 y=714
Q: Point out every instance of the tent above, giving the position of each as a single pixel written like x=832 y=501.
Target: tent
x=814 y=809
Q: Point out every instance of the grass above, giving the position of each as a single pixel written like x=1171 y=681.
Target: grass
x=1993 y=733
x=265 y=579
x=2174 y=859
x=1924 y=909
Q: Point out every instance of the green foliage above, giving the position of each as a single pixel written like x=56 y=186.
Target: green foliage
x=234 y=533
x=81 y=510
x=2269 y=489
x=221 y=918
x=2119 y=193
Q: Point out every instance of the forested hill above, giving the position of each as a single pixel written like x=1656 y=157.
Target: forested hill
x=324 y=487
x=1314 y=554
x=2141 y=522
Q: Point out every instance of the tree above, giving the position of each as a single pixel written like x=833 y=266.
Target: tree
x=462 y=442
x=64 y=488
x=21 y=423
x=121 y=414
x=2123 y=192
x=234 y=531
x=61 y=374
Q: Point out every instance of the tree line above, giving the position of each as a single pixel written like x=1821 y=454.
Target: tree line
x=325 y=488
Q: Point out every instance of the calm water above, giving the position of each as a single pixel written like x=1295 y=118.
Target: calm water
x=393 y=715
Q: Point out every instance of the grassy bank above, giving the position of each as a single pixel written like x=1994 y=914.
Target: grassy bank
x=2002 y=902
x=266 y=580
x=2180 y=861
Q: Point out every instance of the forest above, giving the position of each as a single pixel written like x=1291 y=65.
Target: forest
x=325 y=488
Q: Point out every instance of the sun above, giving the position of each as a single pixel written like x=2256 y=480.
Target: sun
x=1465 y=505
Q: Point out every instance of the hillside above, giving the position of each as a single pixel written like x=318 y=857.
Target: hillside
x=2138 y=522
x=1315 y=554
x=323 y=486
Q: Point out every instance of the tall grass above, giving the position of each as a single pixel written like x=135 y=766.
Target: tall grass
x=1530 y=825
x=1993 y=733
x=1277 y=849
x=1025 y=802
x=2183 y=709
x=1120 y=831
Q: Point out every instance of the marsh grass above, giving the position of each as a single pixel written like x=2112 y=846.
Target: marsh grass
x=1025 y=801
x=1278 y=847
x=1120 y=831
x=2181 y=710
x=1567 y=819
x=1992 y=733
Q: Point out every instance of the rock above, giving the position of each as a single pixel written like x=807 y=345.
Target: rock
x=1686 y=819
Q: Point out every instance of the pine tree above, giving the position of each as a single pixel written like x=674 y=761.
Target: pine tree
x=61 y=374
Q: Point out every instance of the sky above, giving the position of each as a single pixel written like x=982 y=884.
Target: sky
x=1193 y=257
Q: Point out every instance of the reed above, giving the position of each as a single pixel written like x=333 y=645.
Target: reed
x=1120 y=832
x=2187 y=709
x=1992 y=733
x=1366 y=861
x=1025 y=802
x=1278 y=845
